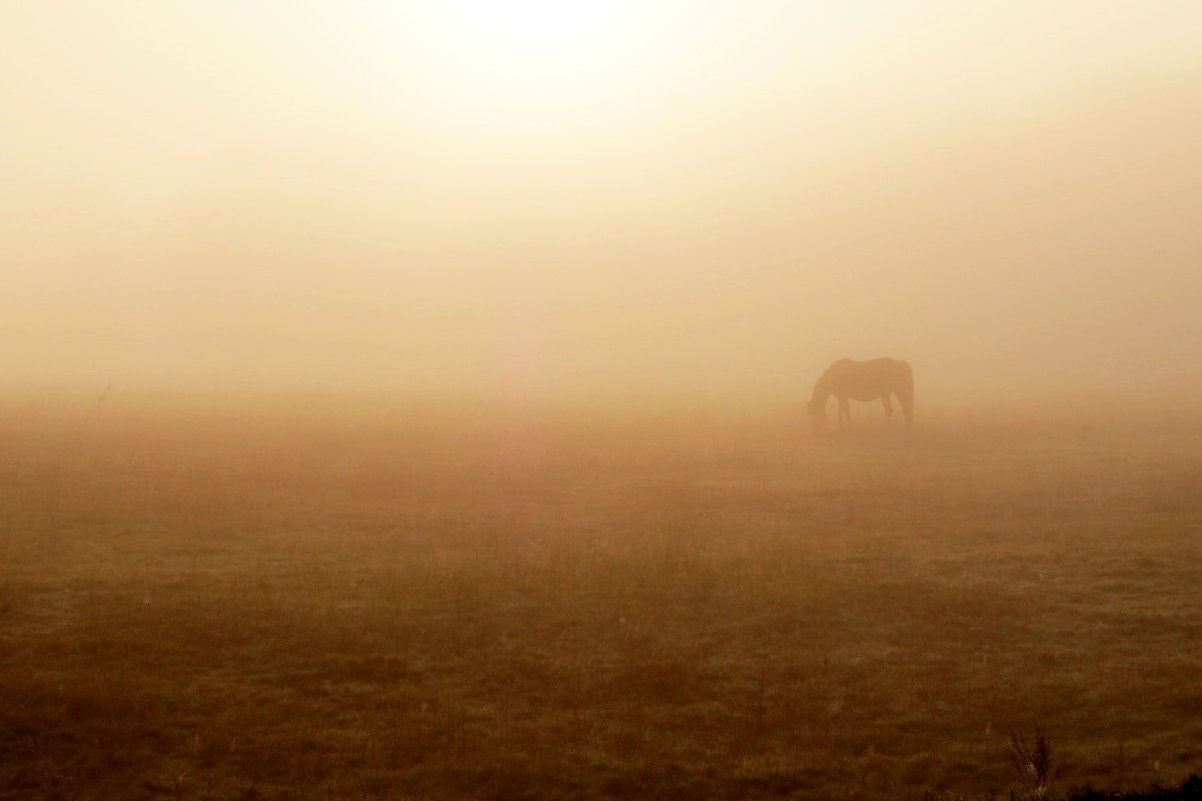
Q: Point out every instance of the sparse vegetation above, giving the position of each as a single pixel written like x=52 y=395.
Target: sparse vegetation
x=1189 y=790
x=1033 y=762
x=411 y=607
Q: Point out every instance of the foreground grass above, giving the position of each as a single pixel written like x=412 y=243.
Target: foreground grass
x=399 y=608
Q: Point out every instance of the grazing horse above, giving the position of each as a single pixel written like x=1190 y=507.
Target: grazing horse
x=863 y=381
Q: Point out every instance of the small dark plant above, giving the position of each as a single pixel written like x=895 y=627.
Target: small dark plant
x=1032 y=759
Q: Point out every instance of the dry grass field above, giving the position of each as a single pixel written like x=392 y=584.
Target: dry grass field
x=415 y=605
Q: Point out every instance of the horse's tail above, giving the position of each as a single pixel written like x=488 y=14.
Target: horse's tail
x=905 y=391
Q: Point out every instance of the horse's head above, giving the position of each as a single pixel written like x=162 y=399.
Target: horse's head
x=817 y=413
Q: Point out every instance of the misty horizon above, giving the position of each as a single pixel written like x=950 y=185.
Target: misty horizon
x=647 y=232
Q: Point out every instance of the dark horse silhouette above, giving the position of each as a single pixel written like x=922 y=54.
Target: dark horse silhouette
x=863 y=381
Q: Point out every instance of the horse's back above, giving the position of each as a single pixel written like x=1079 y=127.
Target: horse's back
x=869 y=379
x=881 y=366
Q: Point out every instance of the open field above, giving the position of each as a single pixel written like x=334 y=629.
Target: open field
x=415 y=606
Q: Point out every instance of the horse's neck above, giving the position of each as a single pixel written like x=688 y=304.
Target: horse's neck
x=822 y=391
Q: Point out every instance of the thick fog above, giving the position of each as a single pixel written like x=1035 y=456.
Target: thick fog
x=649 y=204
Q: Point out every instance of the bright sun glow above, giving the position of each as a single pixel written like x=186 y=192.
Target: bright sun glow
x=531 y=51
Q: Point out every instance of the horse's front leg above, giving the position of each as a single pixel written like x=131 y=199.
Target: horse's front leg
x=888 y=409
x=844 y=413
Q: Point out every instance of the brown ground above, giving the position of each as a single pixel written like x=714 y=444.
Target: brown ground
x=401 y=605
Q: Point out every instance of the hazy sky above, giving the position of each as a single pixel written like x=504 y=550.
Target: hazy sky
x=633 y=199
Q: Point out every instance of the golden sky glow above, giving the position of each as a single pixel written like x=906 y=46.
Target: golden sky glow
x=616 y=199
